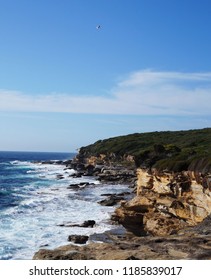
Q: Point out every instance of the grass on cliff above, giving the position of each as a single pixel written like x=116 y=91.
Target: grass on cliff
x=172 y=150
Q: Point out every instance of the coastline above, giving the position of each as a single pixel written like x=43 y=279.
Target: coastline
x=112 y=175
x=190 y=242
x=40 y=198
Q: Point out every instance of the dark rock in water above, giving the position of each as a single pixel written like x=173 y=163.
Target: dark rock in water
x=78 y=186
x=78 y=239
x=67 y=162
x=44 y=245
x=58 y=162
x=88 y=223
x=73 y=187
x=84 y=184
x=77 y=175
x=108 y=202
x=112 y=200
x=106 y=194
x=59 y=177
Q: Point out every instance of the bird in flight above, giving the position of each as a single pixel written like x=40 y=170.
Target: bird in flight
x=98 y=27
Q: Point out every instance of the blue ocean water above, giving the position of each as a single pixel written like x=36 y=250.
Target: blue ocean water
x=34 y=202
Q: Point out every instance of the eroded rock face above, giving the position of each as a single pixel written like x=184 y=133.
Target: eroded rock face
x=166 y=203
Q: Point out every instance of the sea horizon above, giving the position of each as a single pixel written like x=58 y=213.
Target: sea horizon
x=31 y=151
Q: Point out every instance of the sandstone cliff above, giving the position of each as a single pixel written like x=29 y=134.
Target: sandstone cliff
x=166 y=202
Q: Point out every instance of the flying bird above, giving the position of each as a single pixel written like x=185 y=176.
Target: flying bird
x=98 y=27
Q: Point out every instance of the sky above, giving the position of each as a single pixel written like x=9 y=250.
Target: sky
x=65 y=84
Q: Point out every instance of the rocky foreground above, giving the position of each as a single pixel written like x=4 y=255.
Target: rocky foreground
x=195 y=243
x=169 y=216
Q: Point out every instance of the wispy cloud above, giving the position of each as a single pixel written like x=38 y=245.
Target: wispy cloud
x=145 y=92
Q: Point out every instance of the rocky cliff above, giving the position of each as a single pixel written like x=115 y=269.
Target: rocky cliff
x=169 y=216
x=166 y=202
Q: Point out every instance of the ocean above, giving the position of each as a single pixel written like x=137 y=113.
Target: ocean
x=35 y=200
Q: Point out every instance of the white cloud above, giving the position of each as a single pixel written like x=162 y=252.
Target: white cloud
x=145 y=92
x=147 y=77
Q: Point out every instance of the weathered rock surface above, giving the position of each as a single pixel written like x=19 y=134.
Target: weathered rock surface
x=165 y=203
x=104 y=168
x=193 y=243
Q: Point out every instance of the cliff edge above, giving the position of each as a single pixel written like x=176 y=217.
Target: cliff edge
x=169 y=214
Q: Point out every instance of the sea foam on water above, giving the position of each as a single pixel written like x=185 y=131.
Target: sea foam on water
x=42 y=202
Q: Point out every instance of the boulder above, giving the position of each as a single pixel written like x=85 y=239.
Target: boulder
x=88 y=223
x=74 y=187
x=111 y=200
x=78 y=239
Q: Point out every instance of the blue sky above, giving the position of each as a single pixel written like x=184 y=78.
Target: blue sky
x=65 y=84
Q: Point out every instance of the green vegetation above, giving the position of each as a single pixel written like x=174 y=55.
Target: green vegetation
x=172 y=150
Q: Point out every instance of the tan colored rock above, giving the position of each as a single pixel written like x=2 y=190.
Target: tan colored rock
x=178 y=254
x=140 y=204
x=158 y=224
x=167 y=201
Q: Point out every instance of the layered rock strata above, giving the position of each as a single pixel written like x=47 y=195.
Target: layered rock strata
x=166 y=202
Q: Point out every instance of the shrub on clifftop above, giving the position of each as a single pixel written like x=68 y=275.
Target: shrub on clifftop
x=173 y=150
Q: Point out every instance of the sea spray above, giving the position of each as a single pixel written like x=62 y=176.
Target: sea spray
x=35 y=201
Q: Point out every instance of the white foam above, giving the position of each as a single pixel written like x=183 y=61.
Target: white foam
x=45 y=204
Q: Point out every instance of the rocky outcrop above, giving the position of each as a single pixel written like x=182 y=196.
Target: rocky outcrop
x=118 y=174
x=193 y=243
x=104 y=169
x=168 y=218
x=166 y=203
